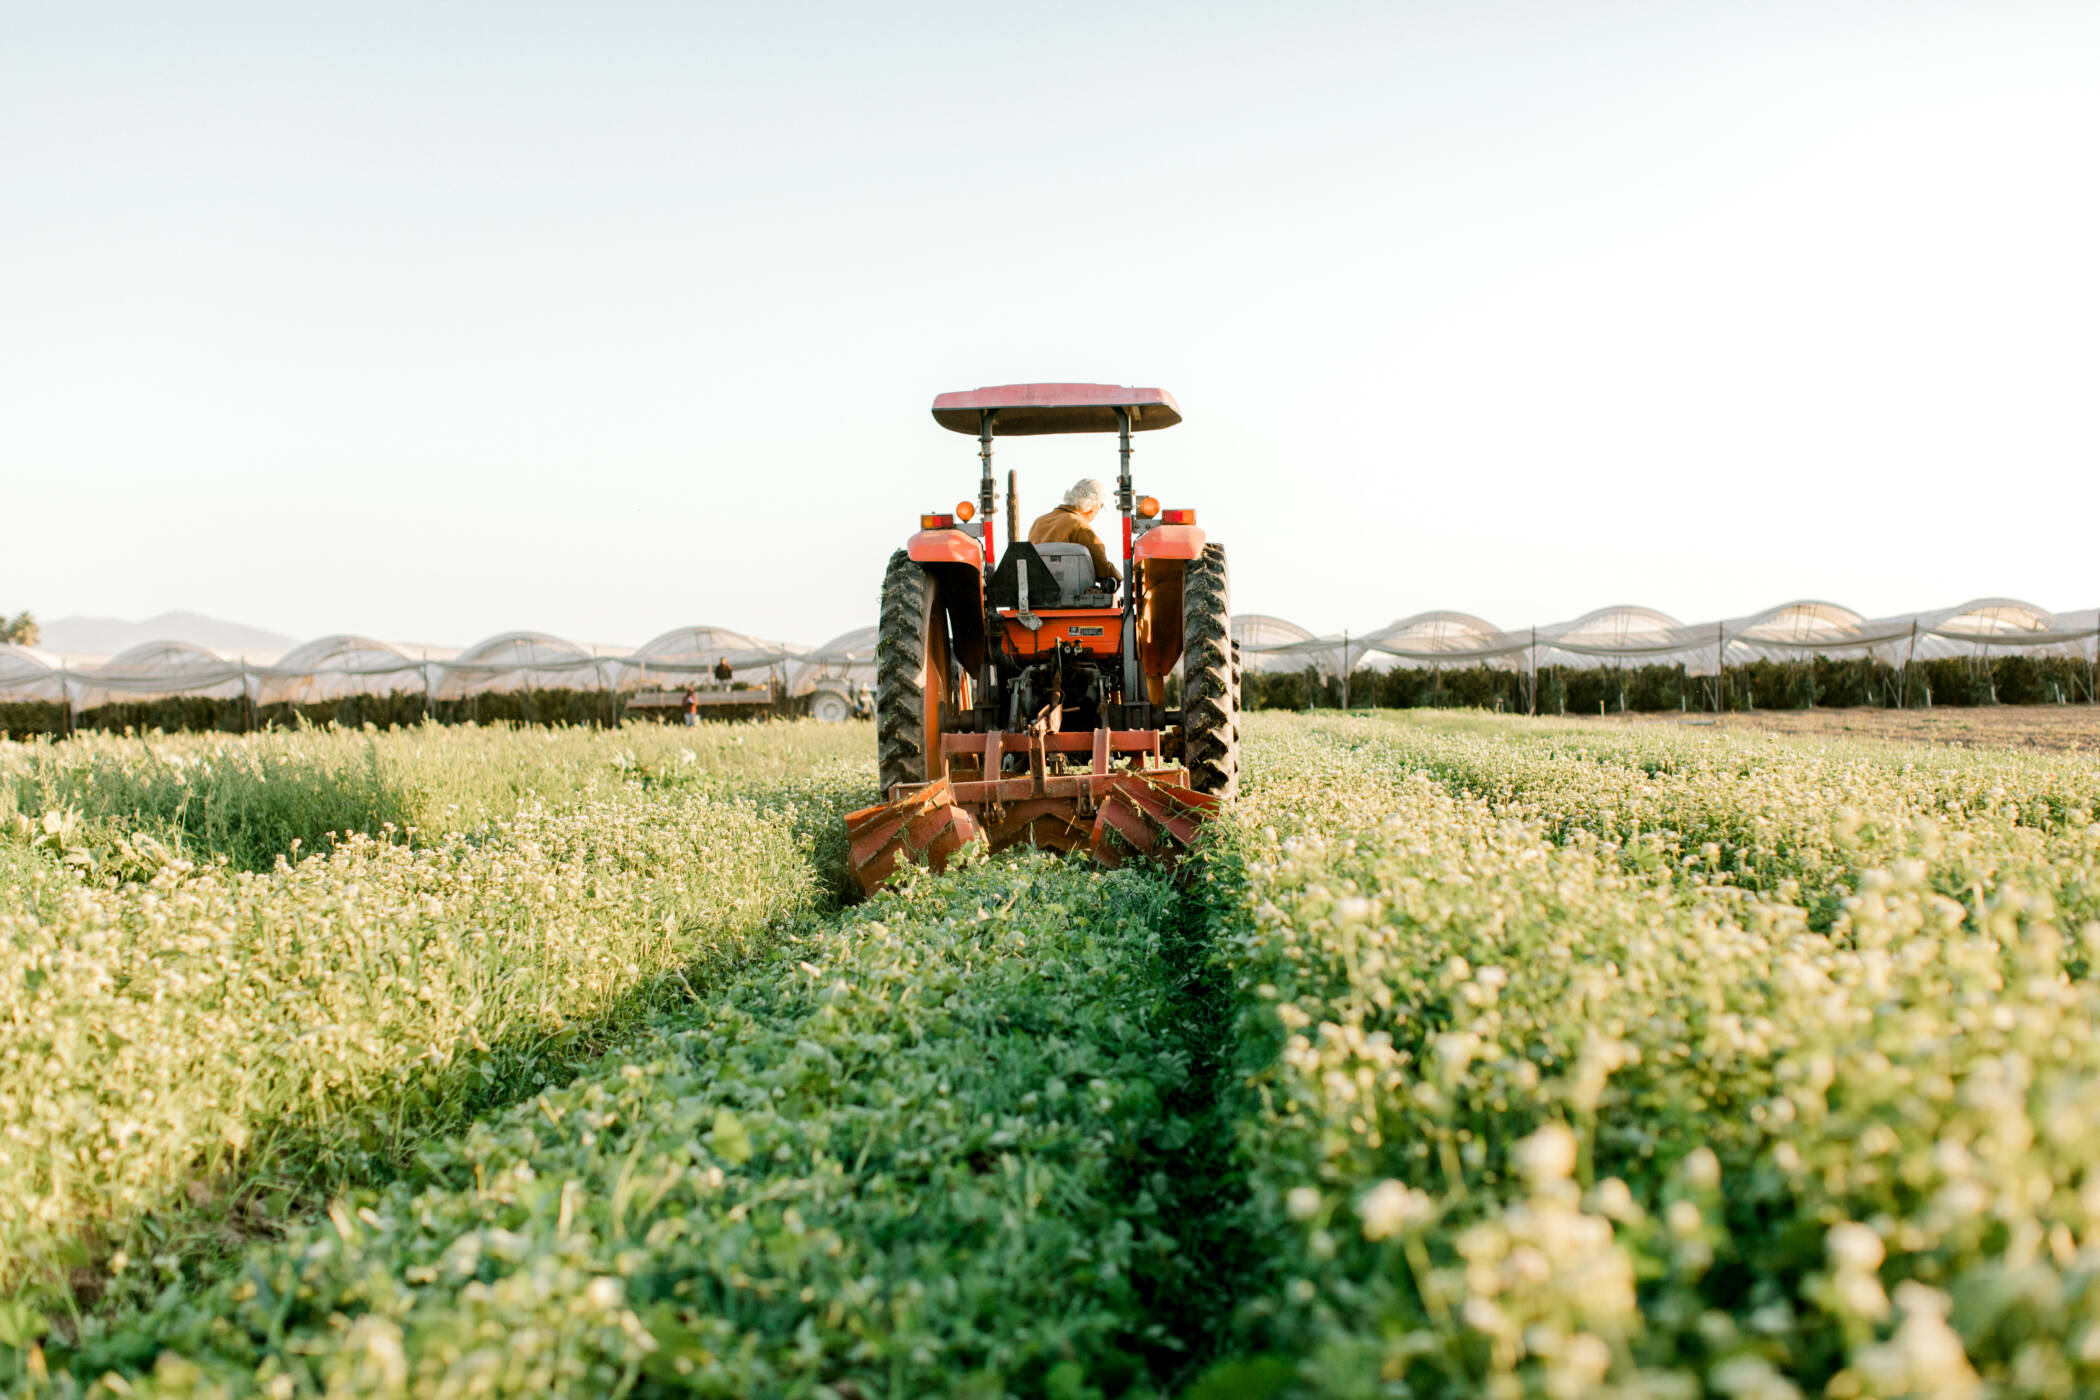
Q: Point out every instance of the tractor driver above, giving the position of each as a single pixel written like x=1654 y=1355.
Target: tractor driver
x=1073 y=523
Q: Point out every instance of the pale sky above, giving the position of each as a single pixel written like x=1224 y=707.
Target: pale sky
x=429 y=322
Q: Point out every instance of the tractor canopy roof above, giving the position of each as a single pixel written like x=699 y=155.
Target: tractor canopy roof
x=1026 y=409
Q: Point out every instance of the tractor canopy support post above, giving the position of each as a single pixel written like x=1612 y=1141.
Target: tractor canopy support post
x=984 y=485
x=1124 y=498
x=988 y=676
x=1126 y=501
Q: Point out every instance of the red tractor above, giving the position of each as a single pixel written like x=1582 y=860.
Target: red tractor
x=1018 y=700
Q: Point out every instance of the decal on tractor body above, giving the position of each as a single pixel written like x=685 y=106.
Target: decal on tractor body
x=1077 y=631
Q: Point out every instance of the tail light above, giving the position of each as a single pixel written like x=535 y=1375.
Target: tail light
x=1177 y=517
x=965 y=512
x=1148 y=506
x=936 y=522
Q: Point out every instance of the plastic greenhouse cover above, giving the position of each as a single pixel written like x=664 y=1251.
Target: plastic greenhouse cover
x=520 y=661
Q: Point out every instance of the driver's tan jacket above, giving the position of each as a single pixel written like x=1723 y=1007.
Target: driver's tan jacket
x=1065 y=525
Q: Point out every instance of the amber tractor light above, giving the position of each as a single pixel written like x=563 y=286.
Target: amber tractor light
x=965 y=512
x=936 y=522
x=1147 y=507
x=1177 y=517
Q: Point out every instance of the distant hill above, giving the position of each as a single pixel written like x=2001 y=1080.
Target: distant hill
x=110 y=635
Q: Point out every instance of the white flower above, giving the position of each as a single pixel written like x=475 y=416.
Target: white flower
x=1614 y=1199
x=1547 y=1155
x=1861 y=1293
x=1925 y=1357
x=1702 y=1169
x=1921 y=1300
x=379 y=1340
x=1587 y=1356
x=1483 y=1316
x=1455 y=1050
x=1389 y=1207
x=1853 y=1246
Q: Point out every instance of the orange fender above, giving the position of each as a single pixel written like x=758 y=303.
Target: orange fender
x=946 y=547
x=956 y=562
x=1167 y=542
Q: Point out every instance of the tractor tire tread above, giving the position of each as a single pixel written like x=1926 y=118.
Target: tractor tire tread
x=900 y=667
x=1210 y=676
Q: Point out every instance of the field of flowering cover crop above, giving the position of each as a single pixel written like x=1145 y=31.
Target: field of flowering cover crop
x=187 y=1046
x=1589 y=1063
x=1472 y=1057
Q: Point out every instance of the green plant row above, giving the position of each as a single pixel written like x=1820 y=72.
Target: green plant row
x=1797 y=821
x=183 y=1057
x=253 y=798
x=904 y=1155
x=1524 y=1115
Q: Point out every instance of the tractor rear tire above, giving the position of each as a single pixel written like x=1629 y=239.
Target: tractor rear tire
x=911 y=674
x=1210 y=694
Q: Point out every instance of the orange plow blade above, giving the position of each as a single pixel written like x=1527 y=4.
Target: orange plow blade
x=1148 y=817
x=923 y=827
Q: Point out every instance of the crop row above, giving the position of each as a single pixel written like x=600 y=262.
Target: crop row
x=254 y=798
x=1797 y=822
x=1534 y=1105
x=904 y=1154
x=185 y=1056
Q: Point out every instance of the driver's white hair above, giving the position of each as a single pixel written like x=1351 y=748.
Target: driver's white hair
x=1087 y=494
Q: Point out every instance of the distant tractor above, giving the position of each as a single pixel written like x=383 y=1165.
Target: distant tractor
x=836 y=701
x=1016 y=700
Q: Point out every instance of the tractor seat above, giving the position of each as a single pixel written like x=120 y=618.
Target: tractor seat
x=1073 y=567
x=1059 y=576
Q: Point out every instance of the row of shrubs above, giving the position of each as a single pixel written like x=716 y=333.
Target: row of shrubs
x=198 y=713
x=1768 y=685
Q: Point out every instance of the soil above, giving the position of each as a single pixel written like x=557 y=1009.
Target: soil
x=2053 y=728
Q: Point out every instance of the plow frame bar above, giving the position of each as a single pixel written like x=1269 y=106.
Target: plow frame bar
x=1103 y=746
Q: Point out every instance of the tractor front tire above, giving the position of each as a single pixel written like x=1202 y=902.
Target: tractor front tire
x=1210 y=693
x=911 y=675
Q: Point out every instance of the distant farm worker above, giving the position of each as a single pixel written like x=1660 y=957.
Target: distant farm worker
x=1073 y=523
x=692 y=706
x=724 y=672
